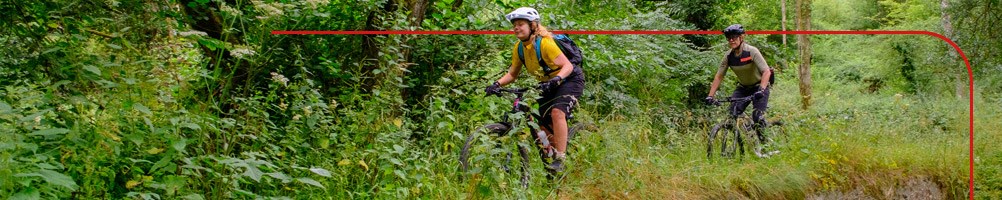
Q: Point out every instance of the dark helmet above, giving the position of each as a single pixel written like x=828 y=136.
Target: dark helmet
x=734 y=31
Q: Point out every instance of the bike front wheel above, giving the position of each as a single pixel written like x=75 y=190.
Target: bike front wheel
x=468 y=145
x=722 y=134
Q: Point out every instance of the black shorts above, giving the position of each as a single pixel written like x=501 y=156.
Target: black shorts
x=565 y=97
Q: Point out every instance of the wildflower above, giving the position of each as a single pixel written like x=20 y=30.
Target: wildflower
x=268 y=10
x=242 y=52
x=314 y=3
x=278 y=78
x=233 y=11
x=190 y=33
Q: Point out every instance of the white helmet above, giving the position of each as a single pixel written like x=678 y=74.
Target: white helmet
x=526 y=13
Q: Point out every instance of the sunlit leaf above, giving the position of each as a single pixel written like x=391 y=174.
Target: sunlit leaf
x=154 y=151
x=179 y=145
x=141 y=108
x=364 y=166
x=92 y=69
x=310 y=182
x=280 y=176
x=321 y=172
x=56 y=178
x=131 y=184
x=4 y=107
x=49 y=132
x=193 y=197
x=254 y=173
x=191 y=126
x=28 y=194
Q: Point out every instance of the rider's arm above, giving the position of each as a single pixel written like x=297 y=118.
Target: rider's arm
x=762 y=67
x=513 y=70
x=718 y=77
x=512 y=74
x=566 y=66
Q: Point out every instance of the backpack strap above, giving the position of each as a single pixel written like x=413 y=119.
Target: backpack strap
x=539 y=57
x=521 y=56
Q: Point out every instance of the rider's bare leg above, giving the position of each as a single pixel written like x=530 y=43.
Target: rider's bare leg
x=559 y=134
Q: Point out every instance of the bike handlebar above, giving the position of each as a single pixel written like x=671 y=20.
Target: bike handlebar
x=734 y=99
x=515 y=90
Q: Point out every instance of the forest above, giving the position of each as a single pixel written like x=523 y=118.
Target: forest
x=198 y=99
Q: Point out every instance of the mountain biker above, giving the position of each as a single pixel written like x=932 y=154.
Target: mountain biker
x=753 y=75
x=560 y=88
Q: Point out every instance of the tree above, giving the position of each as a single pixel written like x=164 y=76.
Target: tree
x=782 y=5
x=948 y=32
x=804 y=47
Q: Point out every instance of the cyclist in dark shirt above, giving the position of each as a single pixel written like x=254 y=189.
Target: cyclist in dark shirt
x=753 y=75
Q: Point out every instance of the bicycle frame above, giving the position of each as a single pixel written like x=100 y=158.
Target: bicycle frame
x=519 y=107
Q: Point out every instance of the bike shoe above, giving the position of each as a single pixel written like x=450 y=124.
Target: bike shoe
x=758 y=152
x=556 y=166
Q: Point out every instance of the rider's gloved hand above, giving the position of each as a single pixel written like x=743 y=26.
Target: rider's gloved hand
x=760 y=93
x=494 y=89
x=711 y=101
x=550 y=85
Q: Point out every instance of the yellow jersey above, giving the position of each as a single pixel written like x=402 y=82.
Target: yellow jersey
x=549 y=50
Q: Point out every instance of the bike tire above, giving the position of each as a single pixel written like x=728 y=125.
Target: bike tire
x=464 y=154
x=523 y=152
x=727 y=136
x=710 y=137
x=571 y=132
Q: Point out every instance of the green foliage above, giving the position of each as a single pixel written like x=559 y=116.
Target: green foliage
x=120 y=100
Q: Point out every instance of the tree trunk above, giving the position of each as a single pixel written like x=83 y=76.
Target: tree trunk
x=804 y=47
x=418 y=8
x=456 y=4
x=782 y=6
x=370 y=46
x=959 y=78
x=205 y=18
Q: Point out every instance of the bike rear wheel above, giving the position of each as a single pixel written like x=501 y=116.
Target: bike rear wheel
x=577 y=127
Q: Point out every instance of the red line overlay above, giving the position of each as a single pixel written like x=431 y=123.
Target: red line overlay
x=970 y=72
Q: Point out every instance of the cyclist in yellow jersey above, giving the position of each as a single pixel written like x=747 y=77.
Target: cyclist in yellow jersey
x=560 y=81
x=753 y=75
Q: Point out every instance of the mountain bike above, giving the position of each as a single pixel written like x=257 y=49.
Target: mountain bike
x=490 y=145
x=730 y=132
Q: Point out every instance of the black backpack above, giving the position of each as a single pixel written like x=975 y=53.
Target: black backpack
x=566 y=45
x=772 y=78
